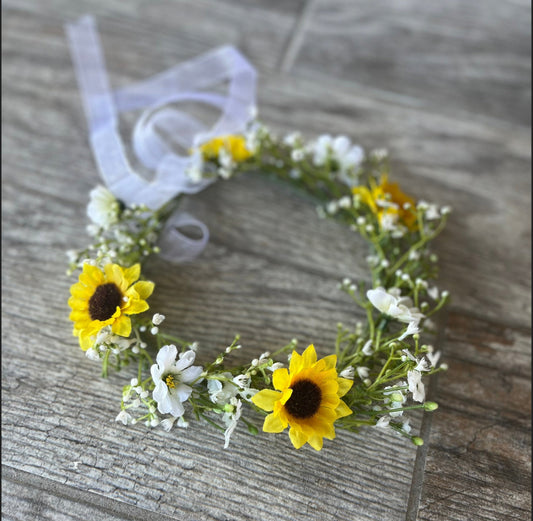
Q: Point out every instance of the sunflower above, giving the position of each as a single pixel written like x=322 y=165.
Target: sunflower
x=105 y=298
x=307 y=397
x=234 y=145
x=387 y=200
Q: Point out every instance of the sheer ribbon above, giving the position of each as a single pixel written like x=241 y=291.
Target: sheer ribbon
x=185 y=82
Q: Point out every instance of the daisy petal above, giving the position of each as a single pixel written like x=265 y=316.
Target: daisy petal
x=183 y=391
x=166 y=356
x=185 y=360
x=191 y=373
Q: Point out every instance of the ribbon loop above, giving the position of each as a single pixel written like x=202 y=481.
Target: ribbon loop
x=185 y=82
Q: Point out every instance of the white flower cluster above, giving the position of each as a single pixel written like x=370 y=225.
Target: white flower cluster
x=345 y=156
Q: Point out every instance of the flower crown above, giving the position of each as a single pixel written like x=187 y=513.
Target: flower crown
x=373 y=374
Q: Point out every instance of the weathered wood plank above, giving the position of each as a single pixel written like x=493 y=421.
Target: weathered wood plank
x=152 y=31
x=258 y=276
x=28 y=497
x=482 y=171
x=267 y=287
x=459 y=56
x=479 y=459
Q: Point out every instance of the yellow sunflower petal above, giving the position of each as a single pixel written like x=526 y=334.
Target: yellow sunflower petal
x=327 y=363
x=343 y=410
x=135 y=306
x=281 y=379
x=309 y=356
x=265 y=399
x=80 y=291
x=295 y=363
x=329 y=387
x=344 y=386
x=85 y=341
x=76 y=303
x=297 y=437
x=315 y=442
x=132 y=274
x=114 y=273
x=94 y=273
x=122 y=326
x=330 y=400
x=143 y=288
x=88 y=282
x=273 y=423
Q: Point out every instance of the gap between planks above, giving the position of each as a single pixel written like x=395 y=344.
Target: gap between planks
x=417 y=483
x=295 y=42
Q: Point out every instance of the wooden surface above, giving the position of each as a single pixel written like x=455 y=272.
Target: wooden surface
x=446 y=88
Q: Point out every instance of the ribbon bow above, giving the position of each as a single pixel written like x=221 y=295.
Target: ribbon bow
x=184 y=82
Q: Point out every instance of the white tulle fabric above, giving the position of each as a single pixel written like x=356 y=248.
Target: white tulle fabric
x=185 y=82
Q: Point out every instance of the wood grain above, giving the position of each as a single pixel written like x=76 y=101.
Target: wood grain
x=457 y=56
x=480 y=452
x=258 y=276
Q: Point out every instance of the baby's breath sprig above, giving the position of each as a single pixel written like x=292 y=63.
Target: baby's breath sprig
x=375 y=374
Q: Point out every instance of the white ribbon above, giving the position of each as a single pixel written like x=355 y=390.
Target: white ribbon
x=185 y=82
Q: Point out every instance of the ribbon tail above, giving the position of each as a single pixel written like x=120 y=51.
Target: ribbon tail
x=177 y=247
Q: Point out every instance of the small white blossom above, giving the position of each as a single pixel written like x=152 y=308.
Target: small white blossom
x=92 y=354
x=167 y=423
x=293 y=139
x=367 y=348
x=391 y=303
x=422 y=365
x=433 y=358
x=348 y=373
x=363 y=372
x=171 y=377
x=275 y=366
x=231 y=420
x=383 y=422
x=297 y=155
x=157 y=319
x=182 y=422
x=416 y=386
x=154 y=330
x=412 y=329
x=221 y=392
x=345 y=202
x=123 y=417
x=103 y=207
x=433 y=292
x=432 y=212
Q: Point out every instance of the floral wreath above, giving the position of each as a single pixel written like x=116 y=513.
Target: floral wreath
x=373 y=374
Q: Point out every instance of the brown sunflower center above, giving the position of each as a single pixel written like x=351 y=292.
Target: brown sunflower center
x=305 y=399
x=104 y=302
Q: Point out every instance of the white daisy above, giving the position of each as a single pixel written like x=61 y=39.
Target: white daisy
x=171 y=376
x=391 y=303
